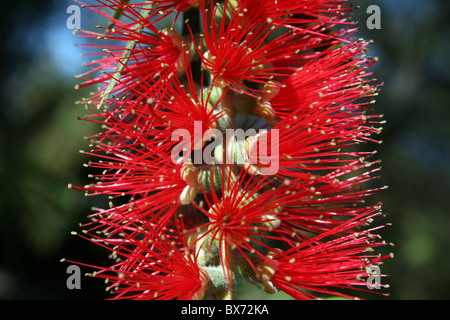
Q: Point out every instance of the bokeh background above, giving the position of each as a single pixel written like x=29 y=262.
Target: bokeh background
x=40 y=138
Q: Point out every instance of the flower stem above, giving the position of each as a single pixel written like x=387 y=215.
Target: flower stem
x=226 y=264
x=145 y=12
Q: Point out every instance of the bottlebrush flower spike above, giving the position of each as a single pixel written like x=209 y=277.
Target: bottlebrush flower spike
x=232 y=144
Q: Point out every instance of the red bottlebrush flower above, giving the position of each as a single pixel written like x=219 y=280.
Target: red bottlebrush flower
x=136 y=148
x=326 y=266
x=197 y=196
x=254 y=213
x=138 y=59
x=150 y=264
x=244 y=214
x=333 y=82
x=296 y=15
x=246 y=52
x=323 y=203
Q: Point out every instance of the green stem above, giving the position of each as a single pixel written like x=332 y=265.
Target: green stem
x=145 y=12
x=227 y=268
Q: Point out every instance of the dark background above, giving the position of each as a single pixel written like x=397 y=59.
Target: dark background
x=40 y=138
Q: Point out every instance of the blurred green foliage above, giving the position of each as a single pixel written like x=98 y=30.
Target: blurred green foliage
x=40 y=137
